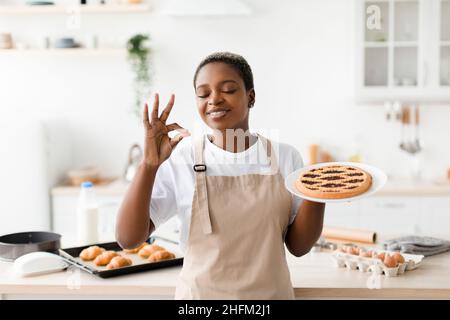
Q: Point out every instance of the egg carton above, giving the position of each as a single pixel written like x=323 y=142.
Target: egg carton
x=375 y=265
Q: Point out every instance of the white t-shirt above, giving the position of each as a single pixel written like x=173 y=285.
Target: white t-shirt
x=174 y=185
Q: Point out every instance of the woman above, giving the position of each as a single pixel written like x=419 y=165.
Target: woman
x=235 y=213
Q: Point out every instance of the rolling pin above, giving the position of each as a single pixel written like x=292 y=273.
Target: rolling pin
x=350 y=235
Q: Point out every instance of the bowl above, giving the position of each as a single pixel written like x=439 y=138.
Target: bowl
x=65 y=43
x=78 y=176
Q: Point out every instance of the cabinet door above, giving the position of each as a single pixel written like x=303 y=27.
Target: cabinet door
x=444 y=45
x=64 y=218
x=64 y=215
x=389 y=42
x=391 y=215
x=434 y=220
x=344 y=215
x=399 y=53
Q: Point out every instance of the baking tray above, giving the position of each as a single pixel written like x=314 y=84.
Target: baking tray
x=71 y=255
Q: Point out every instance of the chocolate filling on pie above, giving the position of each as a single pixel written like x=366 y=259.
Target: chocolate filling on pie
x=309 y=175
x=309 y=182
x=354 y=174
x=332 y=178
x=333 y=185
x=333 y=171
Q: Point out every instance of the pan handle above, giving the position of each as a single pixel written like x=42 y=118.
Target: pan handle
x=69 y=259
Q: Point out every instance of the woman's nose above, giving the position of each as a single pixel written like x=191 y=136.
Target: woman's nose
x=214 y=98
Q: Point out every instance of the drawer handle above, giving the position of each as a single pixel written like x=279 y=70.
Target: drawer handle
x=392 y=205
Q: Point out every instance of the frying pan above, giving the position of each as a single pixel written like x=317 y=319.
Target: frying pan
x=15 y=245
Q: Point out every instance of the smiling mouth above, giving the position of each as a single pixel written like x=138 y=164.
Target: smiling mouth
x=217 y=114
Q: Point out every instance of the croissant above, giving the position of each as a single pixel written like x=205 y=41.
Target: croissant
x=146 y=251
x=136 y=250
x=161 y=255
x=105 y=258
x=91 y=253
x=118 y=262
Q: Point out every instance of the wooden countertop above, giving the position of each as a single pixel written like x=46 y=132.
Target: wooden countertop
x=394 y=187
x=313 y=276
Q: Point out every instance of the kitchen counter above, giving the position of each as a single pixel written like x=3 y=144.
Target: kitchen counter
x=394 y=187
x=407 y=187
x=116 y=187
x=313 y=276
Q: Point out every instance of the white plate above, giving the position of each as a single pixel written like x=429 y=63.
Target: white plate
x=379 y=178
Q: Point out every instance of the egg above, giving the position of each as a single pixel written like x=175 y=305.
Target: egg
x=398 y=257
x=365 y=254
x=390 y=261
x=381 y=256
x=348 y=249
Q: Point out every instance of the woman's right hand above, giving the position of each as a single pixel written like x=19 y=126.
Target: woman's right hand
x=158 y=145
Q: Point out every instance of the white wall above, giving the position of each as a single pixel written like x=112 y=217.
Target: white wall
x=302 y=54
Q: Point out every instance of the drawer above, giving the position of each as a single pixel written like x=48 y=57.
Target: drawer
x=342 y=214
x=391 y=215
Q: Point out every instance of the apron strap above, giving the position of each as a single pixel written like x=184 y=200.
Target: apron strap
x=270 y=154
x=201 y=187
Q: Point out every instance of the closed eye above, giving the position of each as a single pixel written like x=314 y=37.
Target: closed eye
x=202 y=96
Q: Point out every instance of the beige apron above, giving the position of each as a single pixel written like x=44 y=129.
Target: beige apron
x=235 y=248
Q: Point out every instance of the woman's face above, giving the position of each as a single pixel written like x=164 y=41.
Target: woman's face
x=222 y=100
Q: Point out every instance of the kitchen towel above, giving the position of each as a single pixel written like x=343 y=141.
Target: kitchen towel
x=427 y=246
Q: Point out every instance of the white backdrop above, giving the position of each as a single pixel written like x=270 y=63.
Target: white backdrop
x=302 y=54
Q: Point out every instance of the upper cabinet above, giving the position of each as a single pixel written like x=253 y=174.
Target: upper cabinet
x=444 y=44
x=403 y=50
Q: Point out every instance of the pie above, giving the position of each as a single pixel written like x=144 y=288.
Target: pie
x=333 y=182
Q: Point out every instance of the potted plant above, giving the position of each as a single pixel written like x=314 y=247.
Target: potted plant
x=139 y=58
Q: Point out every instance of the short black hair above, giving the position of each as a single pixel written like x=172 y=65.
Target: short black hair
x=235 y=61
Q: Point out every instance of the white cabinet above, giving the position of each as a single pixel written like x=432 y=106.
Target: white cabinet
x=444 y=43
x=405 y=215
x=391 y=215
x=403 y=50
x=343 y=214
x=435 y=216
x=64 y=219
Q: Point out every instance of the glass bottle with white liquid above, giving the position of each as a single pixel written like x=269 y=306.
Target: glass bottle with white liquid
x=87 y=215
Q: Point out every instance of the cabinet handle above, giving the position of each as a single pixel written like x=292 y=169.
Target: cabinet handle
x=392 y=205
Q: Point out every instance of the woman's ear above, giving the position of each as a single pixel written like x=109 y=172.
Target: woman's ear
x=251 y=98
